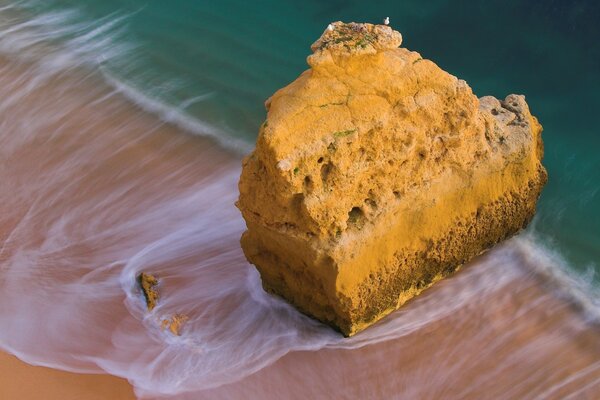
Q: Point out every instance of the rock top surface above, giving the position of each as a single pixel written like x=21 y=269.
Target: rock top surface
x=376 y=173
x=353 y=39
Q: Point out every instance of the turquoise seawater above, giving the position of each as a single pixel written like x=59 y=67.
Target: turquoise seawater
x=216 y=62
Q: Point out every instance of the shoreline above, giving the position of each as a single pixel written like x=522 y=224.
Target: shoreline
x=490 y=348
x=19 y=379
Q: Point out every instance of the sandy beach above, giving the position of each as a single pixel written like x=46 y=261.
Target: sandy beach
x=510 y=337
x=19 y=380
x=379 y=370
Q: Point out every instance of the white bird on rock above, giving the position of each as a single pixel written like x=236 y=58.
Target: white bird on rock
x=330 y=27
x=386 y=21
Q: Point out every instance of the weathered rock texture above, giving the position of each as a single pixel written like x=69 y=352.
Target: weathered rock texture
x=376 y=174
x=148 y=283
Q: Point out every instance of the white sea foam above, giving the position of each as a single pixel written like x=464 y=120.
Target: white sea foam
x=58 y=41
x=559 y=275
x=177 y=115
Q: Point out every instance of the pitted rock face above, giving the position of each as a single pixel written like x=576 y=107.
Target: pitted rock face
x=377 y=173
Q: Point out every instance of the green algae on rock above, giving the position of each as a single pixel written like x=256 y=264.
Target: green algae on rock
x=377 y=174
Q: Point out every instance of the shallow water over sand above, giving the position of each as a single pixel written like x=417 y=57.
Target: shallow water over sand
x=95 y=191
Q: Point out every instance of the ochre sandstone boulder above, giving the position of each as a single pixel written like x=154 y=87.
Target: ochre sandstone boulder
x=376 y=174
x=148 y=283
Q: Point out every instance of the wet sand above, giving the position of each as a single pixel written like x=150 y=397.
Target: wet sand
x=519 y=341
x=19 y=380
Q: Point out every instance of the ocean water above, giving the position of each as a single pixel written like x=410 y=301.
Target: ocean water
x=130 y=188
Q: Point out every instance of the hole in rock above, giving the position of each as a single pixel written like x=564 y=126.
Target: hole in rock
x=372 y=203
x=297 y=202
x=356 y=218
x=308 y=184
x=325 y=171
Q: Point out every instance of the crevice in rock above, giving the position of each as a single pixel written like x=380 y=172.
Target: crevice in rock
x=326 y=171
x=308 y=184
x=356 y=218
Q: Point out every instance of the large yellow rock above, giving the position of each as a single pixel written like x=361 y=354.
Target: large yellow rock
x=377 y=173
